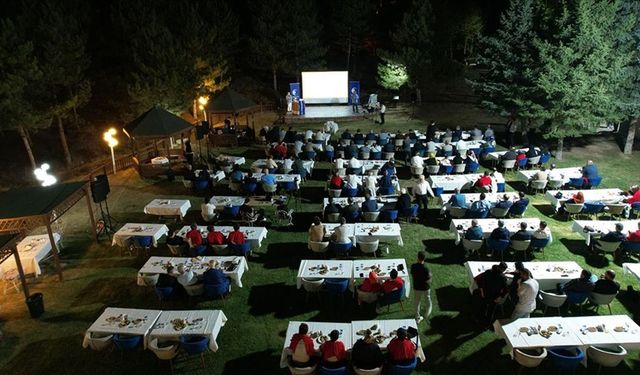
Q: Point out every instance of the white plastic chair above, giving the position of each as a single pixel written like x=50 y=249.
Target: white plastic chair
x=368 y=247
x=333 y=218
x=371 y=216
x=416 y=171
x=220 y=249
x=525 y=359
x=508 y=164
x=150 y=280
x=459 y=168
x=599 y=299
x=471 y=246
x=533 y=161
x=318 y=247
x=606 y=356
x=98 y=341
x=302 y=370
x=538 y=185
x=433 y=169
x=267 y=188
x=194 y=290
x=573 y=209
x=367 y=297
x=607 y=247
x=11 y=280
x=555 y=184
x=335 y=193
x=175 y=250
x=312 y=286
x=389 y=155
x=365 y=156
x=499 y=212
x=165 y=353
x=373 y=371
x=457 y=212
x=521 y=246
x=552 y=300
x=615 y=210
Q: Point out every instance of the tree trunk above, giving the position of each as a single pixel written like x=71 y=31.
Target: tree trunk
x=348 y=52
x=27 y=146
x=418 y=95
x=275 y=80
x=559 y=150
x=631 y=135
x=63 y=142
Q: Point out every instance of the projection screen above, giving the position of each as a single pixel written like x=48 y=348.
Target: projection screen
x=325 y=87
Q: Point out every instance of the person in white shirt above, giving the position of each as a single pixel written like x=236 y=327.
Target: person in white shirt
x=270 y=163
x=488 y=134
x=208 y=210
x=495 y=177
x=338 y=163
x=527 y=292
x=541 y=233
x=308 y=134
x=421 y=191
x=370 y=182
x=446 y=162
x=331 y=127
x=282 y=134
x=417 y=161
x=287 y=164
x=184 y=277
x=554 y=174
x=297 y=147
x=461 y=146
x=383 y=110
x=289 y=99
x=476 y=133
x=353 y=181
x=376 y=148
x=319 y=136
x=340 y=233
x=431 y=148
x=354 y=163
x=329 y=147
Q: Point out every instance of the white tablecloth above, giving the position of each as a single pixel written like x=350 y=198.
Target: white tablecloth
x=201 y=323
x=122 y=236
x=548 y=274
x=315 y=328
x=469 y=144
x=259 y=165
x=255 y=235
x=472 y=197
x=280 y=178
x=362 y=267
x=159 y=160
x=601 y=227
x=358 y=200
x=465 y=134
x=216 y=176
x=386 y=327
x=168 y=207
x=384 y=232
x=567 y=173
x=156 y=265
x=239 y=160
x=336 y=269
x=107 y=323
x=488 y=225
x=572 y=332
x=633 y=268
x=329 y=227
x=610 y=196
x=220 y=201
x=460 y=181
x=32 y=249
x=497 y=154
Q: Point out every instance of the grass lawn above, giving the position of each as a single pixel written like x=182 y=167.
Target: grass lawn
x=97 y=276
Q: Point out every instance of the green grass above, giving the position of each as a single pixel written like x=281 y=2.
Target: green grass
x=96 y=276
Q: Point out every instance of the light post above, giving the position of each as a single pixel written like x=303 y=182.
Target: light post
x=203 y=100
x=112 y=142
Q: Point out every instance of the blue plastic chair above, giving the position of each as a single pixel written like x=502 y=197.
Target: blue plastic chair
x=241 y=250
x=592 y=208
x=437 y=191
x=576 y=298
x=249 y=188
x=352 y=216
x=595 y=182
x=231 y=211
x=544 y=158
x=195 y=345
x=395 y=296
x=631 y=247
x=216 y=290
x=329 y=155
x=376 y=155
x=477 y=214
x=576 y=182
x=522 y=163
x=497 y=246
x=310 y=155
x=336 y=287
x=346 y=192
x=539 y=244
x=410 y=213
x=334 y=371
x=446 y=169
x=387 y=190
x=473 y=167
x=389 y=216
x=142 y=241
x=164 y=293
x=395 y=369
x=126 y=342
x=565 y=359
x=201 y=185
x=341 y=248
x=198 y=251
x=518 y=210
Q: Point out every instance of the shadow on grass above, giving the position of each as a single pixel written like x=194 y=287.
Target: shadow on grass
x=518 y=185
x=268 y=359
x=118 y=291
x=578 y=247
x=284 y=301
x=487 y=360
x=449 y=253
x=630 y=299
x=283 y=255
x=545 y=209
x=313 y=194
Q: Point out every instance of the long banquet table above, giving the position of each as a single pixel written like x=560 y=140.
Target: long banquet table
x=601 y=227
x=168 y=207
x=607 y=196
x=582 y=331
x=566 y=173
x=472 y=197
x=32 y=249
x=122 y=236
x=632 y=268
x=198 y=323
x=548 y=274
x=280 y=178
x=113 y=319
x=255 y=235
x=459 y=181
x=156 y=265
x=496 y=155
x=384 y=232
x=488 y=225
x=382 y=200
x=259 y=165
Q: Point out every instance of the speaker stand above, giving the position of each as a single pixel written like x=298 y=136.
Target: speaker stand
x=106 y=221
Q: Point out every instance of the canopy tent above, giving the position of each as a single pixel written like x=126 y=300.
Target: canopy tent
x=229 y=101
x=43 y=205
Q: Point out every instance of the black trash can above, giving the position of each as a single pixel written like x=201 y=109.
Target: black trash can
x=36 y=305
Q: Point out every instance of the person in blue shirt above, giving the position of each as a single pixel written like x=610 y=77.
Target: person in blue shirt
x=236 y=174
x=383 y=138
x=215 y=276
x=346 y=134
x=369 y=205
x=616 y=235
x=268 y=179
x=389 y=167
x=371 y=136
x=505 y=202
x=523 y=234
x=389 y=147
x=474 y=232
x=590 y=170
x=500 y=233
x=386 y=181
x=521 y=202
x=480 y=206
x=458 y=199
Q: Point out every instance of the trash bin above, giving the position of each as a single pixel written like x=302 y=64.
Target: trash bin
x=36 y=305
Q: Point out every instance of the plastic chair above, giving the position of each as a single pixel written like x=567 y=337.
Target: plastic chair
x=350 y=193
x=573 y=209
x=352 y=216
x=231 y=211
x=446 y=169
x=150 y=280
x=333 y=218
x=164 y=353
x=242 y=249
x=98 y=341
x=269 y=189
x=143 y=241
x=606 y=356
x=508 y=164
x=538 y=185
x=544 y=158
x=318 y=247
x=539 y=244
x=599 y=299
x=194 y=290
x=457 y=212
x=577 y=298
x=376 y=155
x=126 y=342
x=631 y=247
x=576 y=182
x=371 y=217
x=552 y=300
x=416 y=171
x=219 y=249
x=335 y=193
x=373 y=371
x=472 y=167
x=437 y=191
x=367 y=246
x=471 y=246
x=201 y=185
x=195 y=345
x=615 y=210
x=497 y=247
x=302 y=370
x=249 y=188
x=329 y=155
x=217 y=290
x=410 y=214
x=595 y=182
x=529 y=358
x=518 y=210
x=389 y=216
x=499 y=212
x=533 y=161
x=459 y=168
x=555 y=184
x=164 y=293
x=521 y=246
x=387 y=190
x=592 y=209
x=522 y=163
x=341 y=249
x=433 y=169
x=336 y=287
x=477 y=214
x=395 y=369
x=607 y=247
x=344 y=370
x=394 y=296
x=565 y=359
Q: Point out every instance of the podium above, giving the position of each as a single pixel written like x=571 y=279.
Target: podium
x=298 y=107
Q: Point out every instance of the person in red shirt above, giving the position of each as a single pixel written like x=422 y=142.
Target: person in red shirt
x=336 y=181
x=483 y=181
x=333 y=352
x=281 y=150
x=301 y=347
x=634 y=236
x=193 y=236
x=236 y=237
x=402 y=351
x=393 y=283
x=370 y=284
x=521 y=156
x=635 y=195
x=214 y=237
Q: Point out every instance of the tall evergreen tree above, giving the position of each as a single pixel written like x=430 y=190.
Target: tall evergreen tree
x=581 y=70
x=350 y=24
x=629 y=38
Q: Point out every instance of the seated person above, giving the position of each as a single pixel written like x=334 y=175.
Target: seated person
x=332 y=207
x=369 y=205
x=541 y=174
x=480 y=206
x=336 y=181
x=484 y=181
x=302 y=348
x=634 y=193
x=268 y=180
x=350 y=209
x=358 y=136
x=505 y=202
x=509 y=155
x=541 y=233
x=474 y=232
x=189 y=174
x=215 y=237
x=333 y=351
x=215 y=276
x=270 y=163
x=236 y=174
x=554 y=174
x=246 y=211
x=402 y=351
x=577 y=198
x=521 y=156
x=280 y=150
x=523 y=234
x=615 y=235
x=370 y=284
x=389 y=147
x=346 y=134
x=471 y=157
x=250 y=179
x=389 y=168
x=185 y=277
x=366 y=353
x=606 y=284
x=583 y=284
x=371 y=136
x=457 y=199
x=340 y=233
x=370 y=182
x=353 y=182
x=634 y=236
x=590 y=170
x=193 y=236
x=166 y=280
x=500 y=233
x=376 y=148
x=458 y=159
x=404 y=201
x=236 y=237
x=393 y=283
x=316 y=230
x=522 y=201
x=174 y=240
x=431 y=160
x=417 y=161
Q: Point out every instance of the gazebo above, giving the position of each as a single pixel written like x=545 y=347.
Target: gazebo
x=230 y=102
x=157 y=124
x=24 y=209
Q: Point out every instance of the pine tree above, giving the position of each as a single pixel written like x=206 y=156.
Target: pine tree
x=629 y=39
x=391 y=76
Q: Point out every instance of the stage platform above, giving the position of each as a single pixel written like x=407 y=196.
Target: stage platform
x=322 y=113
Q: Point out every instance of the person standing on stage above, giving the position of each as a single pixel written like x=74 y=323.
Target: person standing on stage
x=355 y=100
x=289 y=98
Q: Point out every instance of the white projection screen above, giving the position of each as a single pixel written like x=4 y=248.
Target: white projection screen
x=325 y=87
